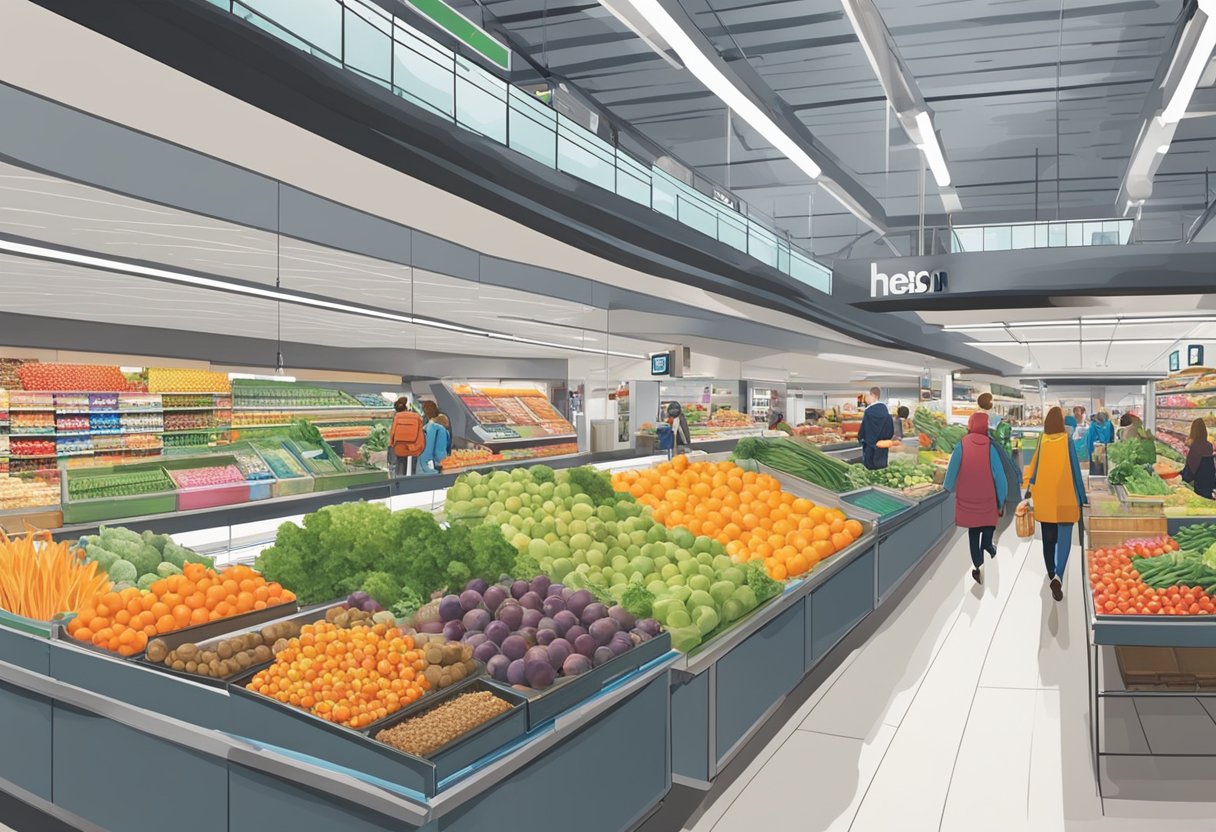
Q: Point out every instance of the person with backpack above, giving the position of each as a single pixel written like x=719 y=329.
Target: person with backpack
x=1002 y=440
x=406 y=438
x=977 y=477
x=438 y=437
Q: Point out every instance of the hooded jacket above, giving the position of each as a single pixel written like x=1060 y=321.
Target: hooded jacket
x=977 y=477
x=876 y=425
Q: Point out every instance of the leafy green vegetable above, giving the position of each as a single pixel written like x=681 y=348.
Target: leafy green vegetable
x=123 y=571
x=408 y=604
x=594 y=483
x=758 y=579
x=541 y=474
x=383 y=588
x=638 y=600
x=341 y=548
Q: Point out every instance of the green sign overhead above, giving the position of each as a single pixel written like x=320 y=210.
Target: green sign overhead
x=464 y=30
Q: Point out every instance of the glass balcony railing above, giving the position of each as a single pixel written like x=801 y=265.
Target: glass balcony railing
x=1009 y=236
x=365 y=39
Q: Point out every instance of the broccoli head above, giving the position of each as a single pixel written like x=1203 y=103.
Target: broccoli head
x=146 y=581
x=175 y=554
x=104 y=557
x=123 y=572
x=145 y=559
x=165 y=569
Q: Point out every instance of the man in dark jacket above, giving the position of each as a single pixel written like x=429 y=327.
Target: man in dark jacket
x=876 y=426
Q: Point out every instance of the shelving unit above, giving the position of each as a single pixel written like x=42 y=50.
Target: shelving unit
x=1177 y=407
x=269 y=405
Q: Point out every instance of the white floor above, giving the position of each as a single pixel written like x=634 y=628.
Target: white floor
x=968 y=710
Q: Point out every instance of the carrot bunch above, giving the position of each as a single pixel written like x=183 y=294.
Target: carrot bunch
x=40 y=578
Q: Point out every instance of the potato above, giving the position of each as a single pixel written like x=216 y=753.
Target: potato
x=208 y=656
x=187 y=651
x=157 y=650
x=280 y=646
x=191 y=667
x=251 y=640
x=433 y=675
x=457 y=672
x=445 y=678
x=244 y=658
x=215 y=665
x=262 y=653
x=204 y=670
x=179 y=665
x=470 y=667
x=224 y=650
x=453 y=653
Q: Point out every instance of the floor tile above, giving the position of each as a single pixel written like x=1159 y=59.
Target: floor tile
x=814 y=782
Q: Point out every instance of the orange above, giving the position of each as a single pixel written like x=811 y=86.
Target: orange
x=853 y=527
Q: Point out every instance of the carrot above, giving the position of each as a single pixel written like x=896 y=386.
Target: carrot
x=40 y=578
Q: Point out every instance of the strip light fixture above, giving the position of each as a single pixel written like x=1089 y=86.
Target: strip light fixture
x=717 y=83
x=1072 y=322
x=274 y=294
x=931 y=146
x=1070 y=341
x=1180 y=97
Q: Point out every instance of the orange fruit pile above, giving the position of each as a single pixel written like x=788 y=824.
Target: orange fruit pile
x=349 y=676
x=746 y=512
x=124 y=621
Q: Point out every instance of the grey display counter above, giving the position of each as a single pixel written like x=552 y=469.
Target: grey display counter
x=71 y=718
x=81 y=729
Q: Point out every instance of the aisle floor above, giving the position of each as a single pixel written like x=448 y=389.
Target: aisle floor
x=967 y=710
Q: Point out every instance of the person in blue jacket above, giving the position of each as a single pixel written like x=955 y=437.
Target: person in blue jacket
x=876 y=425
x=1101 y=432
x=438 y=445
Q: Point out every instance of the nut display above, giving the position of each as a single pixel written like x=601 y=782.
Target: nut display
x=229 y=656
x=424 y=734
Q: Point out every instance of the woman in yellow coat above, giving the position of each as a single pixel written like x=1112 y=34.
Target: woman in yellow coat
x=1058 y=492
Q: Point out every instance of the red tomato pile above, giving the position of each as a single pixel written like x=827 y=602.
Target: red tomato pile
x=1118 y=589
x=94 y=378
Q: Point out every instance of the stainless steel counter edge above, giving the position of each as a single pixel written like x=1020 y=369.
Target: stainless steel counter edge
x=218 y=744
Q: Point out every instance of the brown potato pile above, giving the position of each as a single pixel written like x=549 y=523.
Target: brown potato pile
x=228 y=657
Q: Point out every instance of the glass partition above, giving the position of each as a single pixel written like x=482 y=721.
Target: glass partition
x=364 y=38
x=1007 y=236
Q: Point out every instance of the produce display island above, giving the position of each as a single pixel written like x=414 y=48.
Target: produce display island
x=606 y=751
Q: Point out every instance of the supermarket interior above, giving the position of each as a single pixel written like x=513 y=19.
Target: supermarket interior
x=703 y=416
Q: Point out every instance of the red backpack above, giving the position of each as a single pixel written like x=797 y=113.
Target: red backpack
x=406 y=434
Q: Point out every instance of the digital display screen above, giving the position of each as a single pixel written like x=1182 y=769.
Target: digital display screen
x=1194 y=355
x=659 y=365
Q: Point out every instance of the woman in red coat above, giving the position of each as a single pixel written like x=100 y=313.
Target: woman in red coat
x=977 y=477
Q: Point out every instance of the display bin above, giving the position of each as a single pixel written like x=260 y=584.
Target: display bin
x=212 y=496
x=195 y=633
x=460 y=753
x=903 y=541
x=567 y=692
x=209 y=634
x=161 y=501
x=268 y=720
x=17 y=521
x=25 y=716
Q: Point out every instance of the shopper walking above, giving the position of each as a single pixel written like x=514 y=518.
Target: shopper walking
x=1001 y=436
x=898 y=421
x=977 y=476
x=405 y=436
x=875 y=427
x=1100 y=433
x=1200 y=470
x=438 y=436
x=1057 y=492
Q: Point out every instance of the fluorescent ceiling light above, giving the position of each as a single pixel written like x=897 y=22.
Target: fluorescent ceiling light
x=717 y=83
x=650 y=38
x=1180 y=99
x=932 y=149
x=182 y=278
x=257 y=377
x=1140 y=321
x=1070 y=341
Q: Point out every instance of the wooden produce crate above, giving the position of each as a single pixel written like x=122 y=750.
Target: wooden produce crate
x=21 y=520
x=1167 y=668
x=1113 y=530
